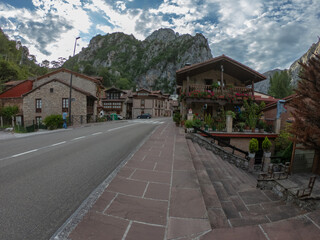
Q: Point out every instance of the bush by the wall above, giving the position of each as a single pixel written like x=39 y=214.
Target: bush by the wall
x=53 y=121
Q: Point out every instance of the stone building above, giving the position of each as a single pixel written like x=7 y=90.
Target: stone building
x=13 y=97
x=52 y=97
x=152 y=102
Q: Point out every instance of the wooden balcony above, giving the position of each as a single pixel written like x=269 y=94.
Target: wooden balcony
x=219 y=91
x=206 y=93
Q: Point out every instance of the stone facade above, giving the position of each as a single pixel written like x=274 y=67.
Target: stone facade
x=51 y=95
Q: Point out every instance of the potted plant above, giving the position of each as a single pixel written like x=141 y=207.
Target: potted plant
x=189 y=125
x=261 y=126
x=177 y=118
x=241 y=126
x=266 y=146
x=253 y=147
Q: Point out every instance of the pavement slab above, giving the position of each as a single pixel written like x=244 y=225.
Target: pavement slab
x=144 y=231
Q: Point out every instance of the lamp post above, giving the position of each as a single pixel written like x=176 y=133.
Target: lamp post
x=74 y=51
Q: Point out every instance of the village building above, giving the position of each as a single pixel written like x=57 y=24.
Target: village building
x=218 y=85
x=13 y=96
x=153 y=102
x=117 y=101
x=50 y=95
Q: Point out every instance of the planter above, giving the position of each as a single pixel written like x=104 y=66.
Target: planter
x=261 y=130
x=267 y=154
x=251 y=155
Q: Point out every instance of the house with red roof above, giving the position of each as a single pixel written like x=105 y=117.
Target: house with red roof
x=14 y=97
x=50 y=95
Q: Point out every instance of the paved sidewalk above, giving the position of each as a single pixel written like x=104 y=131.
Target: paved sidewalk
x=156 y=195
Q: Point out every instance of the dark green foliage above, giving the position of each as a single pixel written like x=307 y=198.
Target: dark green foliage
x=177 y=117
x=266 y=144
x=280 y=85
x=252 y=112
x=253 y=145
x=16 y=64
x=8 y=112
x=53 y=121
x=188 y=123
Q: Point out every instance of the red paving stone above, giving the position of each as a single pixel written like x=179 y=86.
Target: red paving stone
x=187 y=203
x=299 y=228
x=103 y=201
x=158 y=191
x=145 y=232
x=96 y=226
x=152 y=176
x=139 y=209
x=127 y=186
x=241 y=233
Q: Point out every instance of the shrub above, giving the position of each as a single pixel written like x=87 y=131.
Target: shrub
x=231 y=113
x=253 y=145
x=53 y=121
x=266 y=144
x=177 y=117
x=188 y=123
x=197 y=123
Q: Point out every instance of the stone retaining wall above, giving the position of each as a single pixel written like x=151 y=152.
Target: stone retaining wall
x=220 y=151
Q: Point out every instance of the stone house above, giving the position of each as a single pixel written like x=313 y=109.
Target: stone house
x=152 y=102
x=302 y=160
x=117 y=101
x=13 y=97
x=52 y=97
x=219 y=82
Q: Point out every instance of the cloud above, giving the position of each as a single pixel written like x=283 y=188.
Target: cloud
x=262 y=34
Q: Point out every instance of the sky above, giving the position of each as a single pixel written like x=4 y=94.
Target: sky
x=262 y=34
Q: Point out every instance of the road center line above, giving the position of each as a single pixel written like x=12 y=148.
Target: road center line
x=78 y=138
x=113 y=129
x=56 y=144
x=20 y=154
x=97 y=133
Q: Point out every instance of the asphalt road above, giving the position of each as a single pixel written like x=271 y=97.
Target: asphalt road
x=44 y=178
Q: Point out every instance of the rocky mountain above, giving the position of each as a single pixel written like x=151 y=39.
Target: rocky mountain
x=294 y=69
x=150 y=63
x=264 y=85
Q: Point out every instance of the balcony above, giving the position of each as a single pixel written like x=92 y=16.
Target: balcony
x=208 y=92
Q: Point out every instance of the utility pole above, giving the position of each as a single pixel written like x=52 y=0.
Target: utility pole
x=74 y=51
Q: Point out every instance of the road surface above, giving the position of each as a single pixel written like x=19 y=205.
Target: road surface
x=44 y=178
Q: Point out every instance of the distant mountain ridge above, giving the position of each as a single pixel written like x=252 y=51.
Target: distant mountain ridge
x=150 y=63
x=293 y=71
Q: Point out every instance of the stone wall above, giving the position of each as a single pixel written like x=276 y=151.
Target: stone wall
x=220 y=151
x=52 y=101
x=79 y=82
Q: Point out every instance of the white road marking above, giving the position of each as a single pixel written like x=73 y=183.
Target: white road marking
x=56 y=144
x=113 y=129
x=97 y=133
x=78 y=138
x=20 y=154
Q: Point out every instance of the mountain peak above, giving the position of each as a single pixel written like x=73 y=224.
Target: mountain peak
x=163 y=35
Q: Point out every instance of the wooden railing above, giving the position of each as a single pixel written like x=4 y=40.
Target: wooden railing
x=219 y=91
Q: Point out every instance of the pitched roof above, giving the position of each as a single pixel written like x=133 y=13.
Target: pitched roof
x=60 y=81
x=93 y=79
x=230 y=66
x=18 y=90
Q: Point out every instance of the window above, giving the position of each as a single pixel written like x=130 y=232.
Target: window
x=38 y=105
x=113 y=95
x=65 y=104
x=38 y=120
x=112 y=105
x=142 y=102
x=51 y=90
x=208 y=81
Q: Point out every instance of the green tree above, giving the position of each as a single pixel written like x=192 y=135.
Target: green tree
x=8 y=112
x=280 y=85
x=89 y=70
x=123 y=83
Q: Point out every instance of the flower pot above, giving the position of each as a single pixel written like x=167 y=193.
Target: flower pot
x=251 y=155
x=267 y=154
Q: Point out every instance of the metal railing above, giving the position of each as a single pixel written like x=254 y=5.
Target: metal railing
x=219 y=90
x=220 y=141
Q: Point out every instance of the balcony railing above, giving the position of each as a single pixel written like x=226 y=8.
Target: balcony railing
x=219 y=91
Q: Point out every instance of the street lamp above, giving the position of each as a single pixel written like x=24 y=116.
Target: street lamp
x=74 y=51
